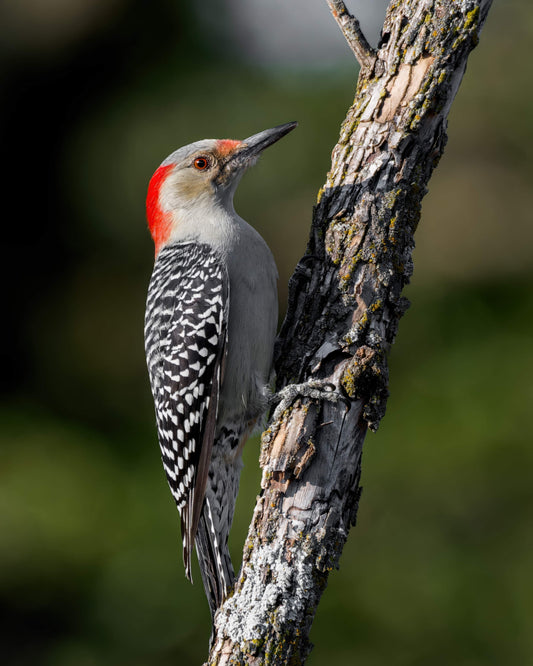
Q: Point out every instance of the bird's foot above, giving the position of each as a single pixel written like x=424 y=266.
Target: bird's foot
x=315 y=389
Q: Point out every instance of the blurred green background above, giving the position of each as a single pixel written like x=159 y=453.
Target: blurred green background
x=95 y=95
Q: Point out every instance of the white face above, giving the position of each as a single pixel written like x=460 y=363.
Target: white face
x=202 y=170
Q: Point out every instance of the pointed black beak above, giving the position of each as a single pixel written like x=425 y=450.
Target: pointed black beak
x=258 y=142
x=251 y=147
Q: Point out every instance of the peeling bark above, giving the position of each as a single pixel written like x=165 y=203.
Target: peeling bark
x=345 y=303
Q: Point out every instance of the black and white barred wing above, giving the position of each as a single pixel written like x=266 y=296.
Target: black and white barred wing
x=185 y=338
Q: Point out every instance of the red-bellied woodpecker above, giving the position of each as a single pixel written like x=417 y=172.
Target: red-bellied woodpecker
x=211 y=317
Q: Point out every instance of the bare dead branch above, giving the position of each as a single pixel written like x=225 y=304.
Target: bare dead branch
x=365 y=54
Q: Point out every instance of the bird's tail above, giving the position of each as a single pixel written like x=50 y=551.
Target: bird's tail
x=214 y=560
x=217 y=515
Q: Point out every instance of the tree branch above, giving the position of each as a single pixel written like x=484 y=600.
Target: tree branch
x=365 y=54
x=345 y=303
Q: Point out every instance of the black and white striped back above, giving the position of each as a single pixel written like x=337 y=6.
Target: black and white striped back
x=185 y=342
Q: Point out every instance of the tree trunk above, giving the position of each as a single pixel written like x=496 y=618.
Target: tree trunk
x=344 y=306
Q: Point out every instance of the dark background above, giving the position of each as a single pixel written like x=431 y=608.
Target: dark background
x=94 y=96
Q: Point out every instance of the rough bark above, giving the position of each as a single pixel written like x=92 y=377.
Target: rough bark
x=344 y=306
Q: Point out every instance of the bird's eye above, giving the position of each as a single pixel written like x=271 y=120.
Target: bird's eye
x=201 y=163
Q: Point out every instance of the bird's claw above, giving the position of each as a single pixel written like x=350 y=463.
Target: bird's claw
x=315 y=389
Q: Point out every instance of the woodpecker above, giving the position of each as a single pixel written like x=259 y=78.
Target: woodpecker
x=210 y=324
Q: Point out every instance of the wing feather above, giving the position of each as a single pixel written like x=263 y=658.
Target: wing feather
x=188 y=305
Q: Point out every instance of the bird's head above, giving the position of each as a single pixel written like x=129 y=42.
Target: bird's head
x=201 y=174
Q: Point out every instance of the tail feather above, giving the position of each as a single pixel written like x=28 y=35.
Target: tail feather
x=214 y=560
x=215 y=520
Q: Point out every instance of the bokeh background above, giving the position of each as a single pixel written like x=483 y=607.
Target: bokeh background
x=95 y=94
